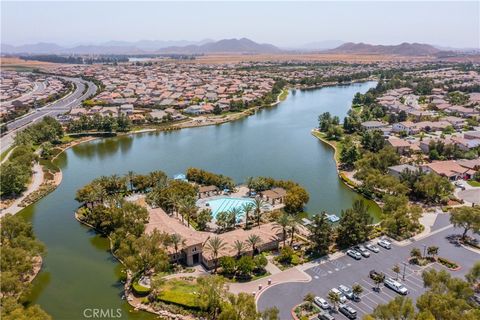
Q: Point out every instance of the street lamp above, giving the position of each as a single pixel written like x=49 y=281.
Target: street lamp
x=404 y=269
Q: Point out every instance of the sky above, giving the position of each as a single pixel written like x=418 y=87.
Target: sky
x=285 y=24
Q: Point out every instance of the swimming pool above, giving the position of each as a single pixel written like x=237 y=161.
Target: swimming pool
x=227 y=204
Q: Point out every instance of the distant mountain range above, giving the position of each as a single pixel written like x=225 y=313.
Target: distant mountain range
x=208 y=46
x=403 y=49
x=242 y=45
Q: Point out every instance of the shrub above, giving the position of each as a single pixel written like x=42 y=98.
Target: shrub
x=296 y=260
x=447 y=263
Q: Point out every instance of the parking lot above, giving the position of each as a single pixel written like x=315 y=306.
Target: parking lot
x=370 y=298
x=328 y=274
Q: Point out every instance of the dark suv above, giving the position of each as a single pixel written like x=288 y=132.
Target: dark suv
x=348 y=311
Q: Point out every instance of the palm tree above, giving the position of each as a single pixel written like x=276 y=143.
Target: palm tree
x=432 y=251
x=176 y=240
x=249 y=182
x=283 y=222
x=415 y=253
x=130 y=177
x=187 y=209
x=357 y=291
x=294 y=219
x=309 y=298
x=214 y=245
x=396 y=269
x=247 y=208
x=254 y=240
x=234 y=213
x=239 y=246
x=259 y=205
x=378 y=280
x=334 y=299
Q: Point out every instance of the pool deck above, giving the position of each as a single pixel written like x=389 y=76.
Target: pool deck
x=240 y=193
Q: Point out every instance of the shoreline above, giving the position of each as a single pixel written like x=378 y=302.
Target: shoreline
x=342 y=175
x=137 y=305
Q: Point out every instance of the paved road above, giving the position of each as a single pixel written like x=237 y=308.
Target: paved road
x=345 y=270
x=56 y=108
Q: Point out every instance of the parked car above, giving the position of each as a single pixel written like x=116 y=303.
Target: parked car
x=385 y=244
x=364 y=252
x=346 y=291
x=322 y=303
x=372 y=248
x=325 y=315
x=354 y=254
x=348 y=311
x=343 y=299
x=396 y=286
x=375 y=274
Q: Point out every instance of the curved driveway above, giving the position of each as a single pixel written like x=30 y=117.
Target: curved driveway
x=345 y=270
x=53 y=109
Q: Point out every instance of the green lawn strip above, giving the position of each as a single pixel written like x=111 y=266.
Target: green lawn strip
x=473 y=183
x=179 y=292
x=336 y=145
x=4 y=153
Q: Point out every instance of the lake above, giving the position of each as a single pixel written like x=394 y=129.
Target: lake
x=79 y=274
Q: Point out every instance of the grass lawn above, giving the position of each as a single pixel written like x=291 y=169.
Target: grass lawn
x=473 y=183
x=180 y=292
x=334 y=144
x=4 y=153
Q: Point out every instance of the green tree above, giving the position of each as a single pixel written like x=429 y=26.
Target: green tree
x=373 y=140
x=321 y=231
x=214 y=246
x=355 y=225
x=432 y=251
x=239 y=307
x=334 y=299
x=357 y=290
x=295 y=199
x=247 y=208
x=228 y=265
x=239 y=246
x=254 y=240
x=211 y=295
x=245 y=266
x=349 y=154
x=176 y=241
x=396 y=269
x=283 y=223
x=203 y=218
x=467 y=218
x=433 y=188
x=400 y=308
x=258 y=210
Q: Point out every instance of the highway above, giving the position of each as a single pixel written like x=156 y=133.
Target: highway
x=53 y=109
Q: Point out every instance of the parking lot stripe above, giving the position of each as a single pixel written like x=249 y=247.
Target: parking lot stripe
x=388 y=292
x=357 y=306
x=380 y=297
x=411 y=280
x=366 y=306
x=375 y=303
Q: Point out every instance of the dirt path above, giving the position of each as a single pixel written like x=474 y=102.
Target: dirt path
x=37 y=180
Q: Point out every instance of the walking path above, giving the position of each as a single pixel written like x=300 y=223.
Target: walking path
x=258 y=286
x=37 y=180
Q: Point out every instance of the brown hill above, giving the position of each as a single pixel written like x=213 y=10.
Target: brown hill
x=404 y=49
